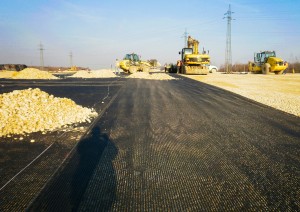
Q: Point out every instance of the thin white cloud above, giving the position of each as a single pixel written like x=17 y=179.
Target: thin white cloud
x=84 y=13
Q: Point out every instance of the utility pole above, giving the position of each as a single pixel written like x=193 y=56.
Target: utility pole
x=228 y=57
x=71 y=59
x=41 y=56
x=185 y=35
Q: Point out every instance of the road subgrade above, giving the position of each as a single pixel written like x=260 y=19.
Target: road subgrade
x=181 y=145
x=26 y=167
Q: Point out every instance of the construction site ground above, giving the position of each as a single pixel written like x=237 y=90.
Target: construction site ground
x=279 y=91
x=174 y=145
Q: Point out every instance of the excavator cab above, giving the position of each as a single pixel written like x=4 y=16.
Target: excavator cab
x=265 y=55
x=132 y=57
x=135 y=58
x=262 y=57
x=257 y=57
x=185 y=51
x=192 y=61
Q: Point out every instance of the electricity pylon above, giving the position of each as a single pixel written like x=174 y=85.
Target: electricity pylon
x=228 y=57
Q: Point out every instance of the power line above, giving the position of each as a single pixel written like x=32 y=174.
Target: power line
x=228 y=55
x=41 y=56
x=185 y=35
x=71 y=59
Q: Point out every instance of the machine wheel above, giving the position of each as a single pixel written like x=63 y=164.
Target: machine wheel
x=133 y=69
x=250 y=66
x=213 y=70
x=266 y=68
x=183 y=69
x=145 y=68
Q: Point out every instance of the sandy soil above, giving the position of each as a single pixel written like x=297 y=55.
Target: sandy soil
x=279 y=91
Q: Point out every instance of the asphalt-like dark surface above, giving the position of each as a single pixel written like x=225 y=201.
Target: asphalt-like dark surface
x=26 y=167
x=176 y=145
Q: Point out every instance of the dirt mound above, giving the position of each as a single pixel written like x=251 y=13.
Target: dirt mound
x=7 y=74
x=33 y=73
x=33 y=110
x=152 y=76
x=102 y=73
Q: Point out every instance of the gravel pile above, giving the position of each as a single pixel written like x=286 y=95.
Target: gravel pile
x=33 y=73
x=33 y=110
x=103 y=73
x=153 y=76
x=7 y=74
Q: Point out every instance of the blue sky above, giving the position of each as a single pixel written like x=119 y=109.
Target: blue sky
x=97 y=31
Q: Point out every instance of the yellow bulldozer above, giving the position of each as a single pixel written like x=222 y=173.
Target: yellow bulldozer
x=266 y=62
x=191 y=61
x=132 y=63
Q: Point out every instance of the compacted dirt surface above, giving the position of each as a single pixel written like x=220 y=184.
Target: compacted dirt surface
x=176 y=145
x=279 y=91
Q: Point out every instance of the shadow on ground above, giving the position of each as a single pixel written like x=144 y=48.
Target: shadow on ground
x=65 y=190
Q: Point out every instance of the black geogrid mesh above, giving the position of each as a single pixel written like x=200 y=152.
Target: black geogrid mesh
x=19 y=189
x=180 y=146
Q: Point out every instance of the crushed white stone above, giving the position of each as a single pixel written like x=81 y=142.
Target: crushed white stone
x=33 y=73
x=151 y=76
x=33 y=110
x=102 y=73
x=7 y=74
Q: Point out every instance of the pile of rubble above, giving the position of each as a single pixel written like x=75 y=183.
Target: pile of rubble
x=7 y=74
x=151 y=76
x=32 y=73
x=102 y=73
x=33 y=110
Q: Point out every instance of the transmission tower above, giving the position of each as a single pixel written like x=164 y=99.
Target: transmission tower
x=41 y=56
x=185 y=35
x=228 y=58
x=71 y=59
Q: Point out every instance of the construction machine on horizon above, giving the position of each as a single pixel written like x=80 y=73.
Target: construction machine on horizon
x=192 y=62
x=266 y=62
x=132 y=63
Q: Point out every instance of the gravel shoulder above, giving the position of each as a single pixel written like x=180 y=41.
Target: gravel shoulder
x=278 y=91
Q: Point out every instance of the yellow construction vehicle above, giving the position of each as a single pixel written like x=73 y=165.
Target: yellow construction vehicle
x=266 y=62
x=73 y=68
x=205 y=58
x=191 y=61
x=132 y=63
